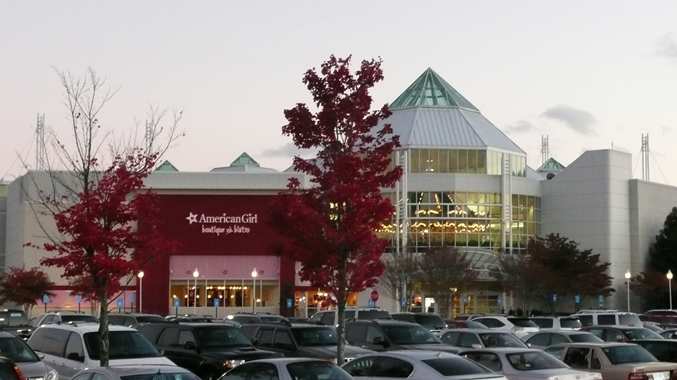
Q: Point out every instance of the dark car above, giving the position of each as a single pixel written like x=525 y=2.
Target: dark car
x=133 y=319
x=251 y=318
x=621 y=333
x=300 y=340
x=9 y=371
x=431 y=321
x=189 y=318
x=664 y=350
x=390 y=335
x=206 y=349
x=666 y=318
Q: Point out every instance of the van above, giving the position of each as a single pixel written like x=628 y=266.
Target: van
x=607 y=318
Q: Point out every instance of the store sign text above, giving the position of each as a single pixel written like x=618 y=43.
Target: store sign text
x=223 y=224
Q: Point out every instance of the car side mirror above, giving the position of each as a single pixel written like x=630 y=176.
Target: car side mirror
x=476 y=346
x=190 y=346
x=74 y=356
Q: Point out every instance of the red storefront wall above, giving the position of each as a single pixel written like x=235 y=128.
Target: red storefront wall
x=181 y=220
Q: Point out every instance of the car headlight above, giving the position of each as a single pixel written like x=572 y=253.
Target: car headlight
x=230 y=364
x=348 y=359
x=52 y=375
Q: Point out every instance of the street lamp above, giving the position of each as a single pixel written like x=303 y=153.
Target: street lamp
x=140 y=276
x=669 y=276
x=196 y=274
x=627 y=282
x=254 y=275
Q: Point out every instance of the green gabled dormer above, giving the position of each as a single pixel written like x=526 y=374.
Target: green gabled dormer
x=243 y=163
x=166 y=166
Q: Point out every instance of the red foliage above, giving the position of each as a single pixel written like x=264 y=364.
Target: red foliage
x=331 y=224
x=24 y=286
x=101 y=243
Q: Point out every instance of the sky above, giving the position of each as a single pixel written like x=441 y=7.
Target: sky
x=589 y=74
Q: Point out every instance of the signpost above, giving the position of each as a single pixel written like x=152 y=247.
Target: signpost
x=217 y=301
x=45 y=300
x=78 y=300
x=176 y=306
x=120 y=304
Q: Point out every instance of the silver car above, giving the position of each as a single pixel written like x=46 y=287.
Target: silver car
x=527 y=364
x=417 y=365
x=545 y=338
x=136 y=372
x=28 y=361
x=286 y=369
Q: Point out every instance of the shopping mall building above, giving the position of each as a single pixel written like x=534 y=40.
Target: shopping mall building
x=466 y=185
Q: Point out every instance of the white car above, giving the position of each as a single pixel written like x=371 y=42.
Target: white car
x=527 y=364
x=558 y=323
x=286 y=369
x=417 y=365
x=519 y=326
x=136 y=372
x=70 y=348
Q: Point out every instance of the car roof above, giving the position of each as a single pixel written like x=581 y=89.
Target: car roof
x=301 y=325
x=4 y=334
x=288 y=360
x=208 y=324
x=479 y=331
x=414 y=354
x=505 y=350
x=135 y=315
x=84 y=327
x=593 y=344
x=388 y=322
x=141 y=369
x=563 y=332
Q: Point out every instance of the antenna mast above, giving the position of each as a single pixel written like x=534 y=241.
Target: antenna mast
x=646 y=175
x=40 y=153
x=545 y=149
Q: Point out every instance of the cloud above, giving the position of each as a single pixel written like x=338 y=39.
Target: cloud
x=521 y=126
x=580 y=121
x=666 y=47
x=286 y=150
x=666 y=129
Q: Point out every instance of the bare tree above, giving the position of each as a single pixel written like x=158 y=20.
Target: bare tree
x=401 y=271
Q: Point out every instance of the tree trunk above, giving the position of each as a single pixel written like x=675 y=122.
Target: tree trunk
x=104 y=337
x=341 y=306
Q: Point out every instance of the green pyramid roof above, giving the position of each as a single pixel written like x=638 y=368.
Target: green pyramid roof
x=551 y=166
x=431 y=90
x=244 y=160
x=166 y=167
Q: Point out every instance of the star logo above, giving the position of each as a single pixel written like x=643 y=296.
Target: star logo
x=191 y=218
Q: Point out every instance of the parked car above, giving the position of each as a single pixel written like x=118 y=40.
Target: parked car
x=432 y=322
x=133 y=319
x=62 y=317
x=9 y=370
x=516 y=325
x=526 y=364
x=190 y=318
x=653 y=326
x=24 y=358
x=287 y=369
x=607 y=318
x=549 y=337
x=560 y=323
x=252 y=318
x=615 y=361
x=300 y=340
x=328 y=317
x=664 y=350
x=143 y=372
x=15 y=322
x=206 y=349
x=621 y=333
x=417 y=365
x=71 y=348
x=666 y=318
x=466 y=324
x=669 y=334
x=482 y=338
x=390 y=335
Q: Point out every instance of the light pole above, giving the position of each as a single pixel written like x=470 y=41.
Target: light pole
x=254 y=275
x=196 y=274
x=140 y=276
x=627 y=282
x=669 y=276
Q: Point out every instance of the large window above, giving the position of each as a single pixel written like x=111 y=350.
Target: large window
x=471 y=161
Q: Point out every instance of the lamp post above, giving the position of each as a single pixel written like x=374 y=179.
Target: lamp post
x=627 y=282
x=196 y=274
x=254 y=275
x=140 y=276
x=669 y=276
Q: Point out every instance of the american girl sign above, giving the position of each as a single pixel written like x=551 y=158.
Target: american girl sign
x=224 y=223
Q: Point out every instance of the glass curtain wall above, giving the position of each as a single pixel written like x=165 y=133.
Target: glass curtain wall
x=469 y=161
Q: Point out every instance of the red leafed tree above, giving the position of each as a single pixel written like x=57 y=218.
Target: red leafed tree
x=24 y=287
x=101 y=243
x=331 y=222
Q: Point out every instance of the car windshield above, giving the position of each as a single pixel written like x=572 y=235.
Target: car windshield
x=162 y=376
x=500 y=340
x=522 y=322
x=629 y=320
x=409 y=335
x=78 y=318
x=628 y=354
x=373 y=314
x=544 y=323
x=17 y=350
x=532 y=361
x=431 y=322
x=123 y=345
x=585 y=338
x=221 y=336
x=315 y=336
x=455 y=366
x=635 y=334
x=13 y=318
x=570 y=323
x=316 y=370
